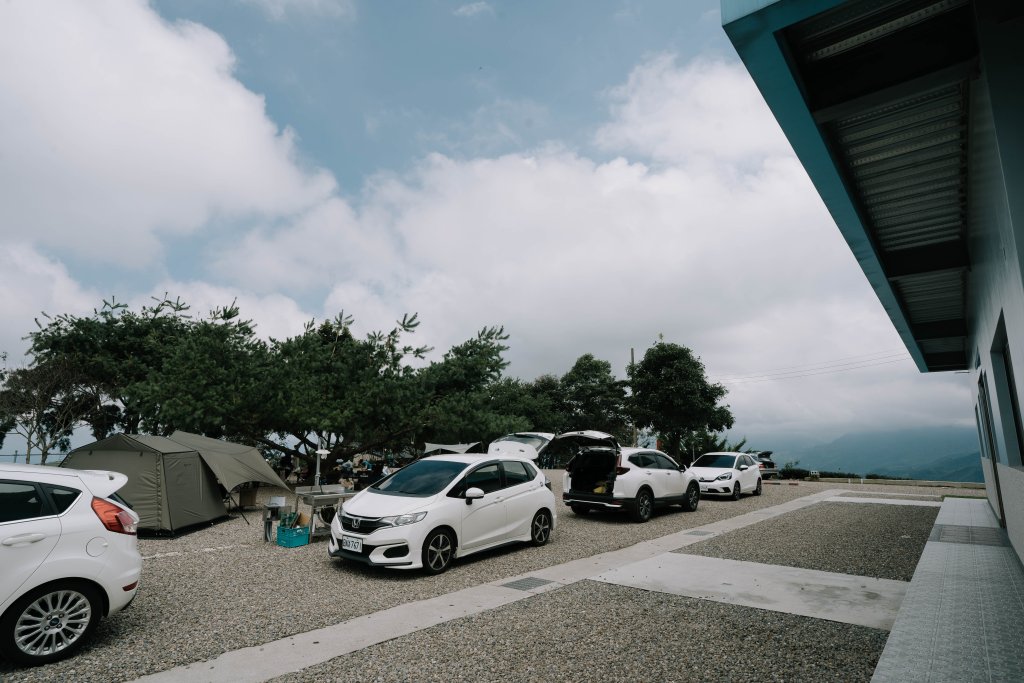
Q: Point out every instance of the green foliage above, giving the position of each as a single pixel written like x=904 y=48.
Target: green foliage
x=672 y=396
x=591 y=398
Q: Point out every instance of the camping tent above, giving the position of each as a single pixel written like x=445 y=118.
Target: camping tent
x=172 y=481
x=448 y=447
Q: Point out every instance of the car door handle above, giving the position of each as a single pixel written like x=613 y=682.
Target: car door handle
x=22 y=539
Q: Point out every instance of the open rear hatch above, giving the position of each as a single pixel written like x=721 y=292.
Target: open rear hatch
x=591 y=459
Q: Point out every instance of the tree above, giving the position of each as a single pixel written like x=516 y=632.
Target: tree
x=594 y=399
x=40 y=403
x=672 y=395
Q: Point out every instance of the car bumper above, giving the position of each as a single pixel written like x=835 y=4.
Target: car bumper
x=713 y=487
x=394 y=547
x=595 y=500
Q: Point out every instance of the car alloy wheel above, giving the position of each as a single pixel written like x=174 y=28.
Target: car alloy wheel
x=736 y=491
x=692 y=498
x=757 y=490
x=540 y=530
x=643 y=507
x=49 y=624
x=438 y=551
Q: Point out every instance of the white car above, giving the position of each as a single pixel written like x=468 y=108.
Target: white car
x=728 y=473
x=69 y=556
x=601 y=475
x=446 y=506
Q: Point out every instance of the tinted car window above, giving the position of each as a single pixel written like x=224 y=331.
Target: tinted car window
x=642 y=460
x=516 y=473
x=61 y=496
x=715 y=460
x=19 y=500
x=422 y=478
x=664 y=462
x=486 y=478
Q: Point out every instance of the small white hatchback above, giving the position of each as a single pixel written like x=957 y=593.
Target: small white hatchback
x=446 y=506
x=68 y=556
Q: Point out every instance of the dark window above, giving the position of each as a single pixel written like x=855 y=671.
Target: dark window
x=20 y=500
x=715 y=460
x=642 y=460
x=422 y=478
x=516 y=473
x=665 y=462
x=486 y=478
x=61 y=496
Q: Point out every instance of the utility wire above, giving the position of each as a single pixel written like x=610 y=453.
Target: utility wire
x=812 y=374
x=825 y=364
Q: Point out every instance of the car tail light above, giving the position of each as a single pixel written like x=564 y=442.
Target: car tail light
x=760 y=465
x=619 y=469
x=114 y=517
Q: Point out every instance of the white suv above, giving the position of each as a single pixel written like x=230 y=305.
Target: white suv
x=69 y=555
x=601 y=475
x=442 y=507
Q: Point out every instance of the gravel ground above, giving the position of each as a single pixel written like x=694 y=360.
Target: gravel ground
x=877 y=540
x=592 y=631
x=222 y=588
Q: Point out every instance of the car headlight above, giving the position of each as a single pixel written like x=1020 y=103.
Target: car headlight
x=723 y=477
x=402 y=520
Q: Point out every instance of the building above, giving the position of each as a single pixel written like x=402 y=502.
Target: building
x=908 y=115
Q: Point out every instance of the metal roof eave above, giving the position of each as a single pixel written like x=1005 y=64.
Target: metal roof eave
x=753 y=35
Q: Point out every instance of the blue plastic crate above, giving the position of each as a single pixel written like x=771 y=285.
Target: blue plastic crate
x=292 y=538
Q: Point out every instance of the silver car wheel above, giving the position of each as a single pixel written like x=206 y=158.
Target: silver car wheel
x=52 y=623
x=541 y=528
x=439 y=552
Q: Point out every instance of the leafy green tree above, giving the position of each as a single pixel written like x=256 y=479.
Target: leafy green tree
x=672 y=395
x=40 y=404
x=114 y=351
x=594 y=399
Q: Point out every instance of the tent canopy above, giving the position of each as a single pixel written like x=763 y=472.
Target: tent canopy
x=448 y=447
x=233 y=463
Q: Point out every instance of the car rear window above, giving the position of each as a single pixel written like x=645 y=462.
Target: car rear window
x=20 y=500
x=642 y=460
x=62 y=496
x=516 y=472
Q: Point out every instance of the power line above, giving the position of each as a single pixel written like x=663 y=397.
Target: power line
x=825 y=364
x=829 y=371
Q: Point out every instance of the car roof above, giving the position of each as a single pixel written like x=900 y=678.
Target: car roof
x=630 y=450
x=472 y=458
x=723 y=453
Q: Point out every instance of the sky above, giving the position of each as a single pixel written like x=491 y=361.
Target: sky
x=593 y=175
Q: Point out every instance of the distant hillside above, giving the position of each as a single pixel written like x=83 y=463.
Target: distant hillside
x=942 y=454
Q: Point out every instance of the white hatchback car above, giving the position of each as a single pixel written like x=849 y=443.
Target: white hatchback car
x=446 y=506
x=728 y=473
x=69 y=555
x=601 y=475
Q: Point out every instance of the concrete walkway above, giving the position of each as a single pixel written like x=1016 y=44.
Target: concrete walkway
x=963 y=614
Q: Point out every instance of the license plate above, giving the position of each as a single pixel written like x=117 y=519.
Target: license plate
x=353 y=544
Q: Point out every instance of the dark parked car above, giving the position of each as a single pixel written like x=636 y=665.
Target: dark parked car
x=767 y=465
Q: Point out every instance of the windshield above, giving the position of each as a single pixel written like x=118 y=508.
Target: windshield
x=528 y=439
x=715 y=460
x=422 y=478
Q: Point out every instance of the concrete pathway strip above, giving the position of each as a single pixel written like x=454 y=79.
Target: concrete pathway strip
x=844 y=598
x=885 y=501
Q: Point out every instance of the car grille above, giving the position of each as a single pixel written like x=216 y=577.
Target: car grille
x=361 y=525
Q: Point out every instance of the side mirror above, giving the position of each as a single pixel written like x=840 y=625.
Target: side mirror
x=743 y=468
x=472 y=494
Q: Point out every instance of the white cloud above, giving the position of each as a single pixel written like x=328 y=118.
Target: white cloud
x=120 y=129
x=30 y=284
x=279 y=10
x=704 y=110
x=473 y=9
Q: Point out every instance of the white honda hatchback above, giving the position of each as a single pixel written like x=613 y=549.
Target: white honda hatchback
x=69 y=556
x=447 y=506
